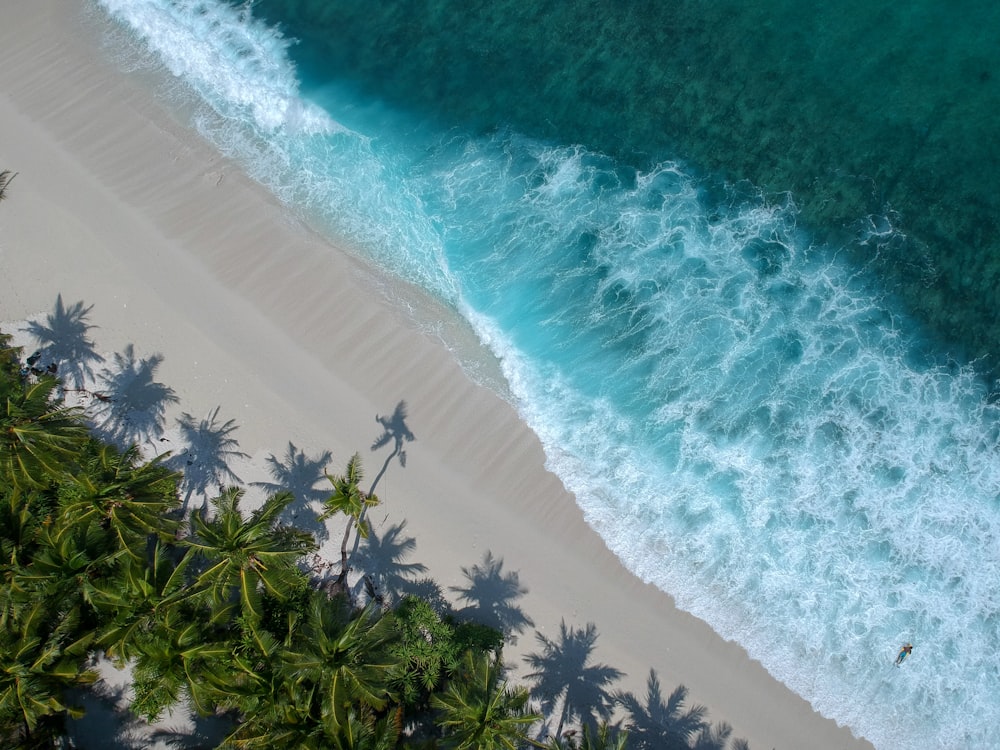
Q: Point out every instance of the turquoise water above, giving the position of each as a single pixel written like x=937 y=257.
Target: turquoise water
x=720 y=353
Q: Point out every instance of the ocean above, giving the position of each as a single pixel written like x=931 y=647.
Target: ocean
x=736 y=265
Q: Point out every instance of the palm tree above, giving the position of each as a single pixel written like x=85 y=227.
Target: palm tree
x=134 y=601
x=36 y=668
x=479 y=710
x=563 y=673
x=130 y=498
x=39 y=440
x=67 y=569
x=181 y=655
x=654 y=723
x=341 y=660
x=246 y=556
x=348 y=498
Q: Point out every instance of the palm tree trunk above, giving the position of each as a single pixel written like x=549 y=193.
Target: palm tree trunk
x=343 y=551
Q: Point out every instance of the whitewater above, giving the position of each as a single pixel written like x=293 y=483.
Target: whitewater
x=744 y=420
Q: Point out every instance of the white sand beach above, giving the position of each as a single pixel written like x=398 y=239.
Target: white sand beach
x=118 y=206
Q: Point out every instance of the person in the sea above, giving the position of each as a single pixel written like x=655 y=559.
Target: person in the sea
x=903 y=653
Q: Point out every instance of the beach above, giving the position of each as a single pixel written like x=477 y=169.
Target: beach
x=117 y=205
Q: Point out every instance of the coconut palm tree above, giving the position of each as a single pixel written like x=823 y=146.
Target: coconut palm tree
x=120 y=492
x=479 y=710
x=341 y=660
x=67 y=569
x=248 y=556
x=135 y=600
x=348 y=498
x=563 y=673
x=39 y=440
x=327 y=686
x=182 y=655
x=36 y=668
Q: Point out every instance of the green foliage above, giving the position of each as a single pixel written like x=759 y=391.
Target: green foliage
x=431 y=647
x=227 y=619
x=39 y=440
x=123 y=494
x=479 y=710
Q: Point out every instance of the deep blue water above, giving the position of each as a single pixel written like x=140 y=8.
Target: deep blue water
x=746 y=406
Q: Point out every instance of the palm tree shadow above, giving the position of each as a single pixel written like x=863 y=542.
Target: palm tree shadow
x=299 y=474
x=63 y=343
x=491 y=594
x=103 y=706
x=204 y=462
x=108 y=724
x=430 y=591
x=653 y=723
x=387 y=575
x=564 y=678
x=131 y=406
x=395 y=431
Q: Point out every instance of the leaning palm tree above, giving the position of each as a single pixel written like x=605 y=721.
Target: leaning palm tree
x=479 y=710
x=248 y=556
x=563 y=673
x=348 y=498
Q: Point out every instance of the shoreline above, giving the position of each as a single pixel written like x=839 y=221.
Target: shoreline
x=181 y=254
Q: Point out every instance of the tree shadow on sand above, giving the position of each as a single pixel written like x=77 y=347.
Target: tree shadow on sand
x=491 y=594
x=130 y=406
x=387 y=575
x=565 y=679
x=204 y=461
x=657 y=724
x=395 y=431
x=108 y=724
x=63 y=343
x=299 y=474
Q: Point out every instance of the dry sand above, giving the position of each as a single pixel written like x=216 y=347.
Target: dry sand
x=117 y=205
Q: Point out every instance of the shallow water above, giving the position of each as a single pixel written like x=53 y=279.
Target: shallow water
x=728 y=373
